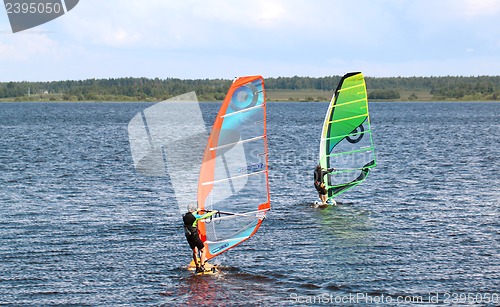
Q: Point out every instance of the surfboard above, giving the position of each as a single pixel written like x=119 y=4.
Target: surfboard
x=318 y=204
x=210 y=269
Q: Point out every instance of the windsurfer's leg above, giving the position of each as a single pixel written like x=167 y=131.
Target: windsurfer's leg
x=195 y=257
x=203 y=257
x=201 y=248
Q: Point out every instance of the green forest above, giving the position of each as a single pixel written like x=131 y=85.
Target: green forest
x=449 y=88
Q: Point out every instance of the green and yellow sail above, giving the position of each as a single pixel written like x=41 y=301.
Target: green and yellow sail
x=346 y=139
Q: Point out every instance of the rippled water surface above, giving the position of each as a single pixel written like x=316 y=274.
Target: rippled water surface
x=78 y=225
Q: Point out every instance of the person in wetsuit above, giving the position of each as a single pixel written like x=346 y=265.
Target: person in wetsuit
x=191 y=219
x=319 y=183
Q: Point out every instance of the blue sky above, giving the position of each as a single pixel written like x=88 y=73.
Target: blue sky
x=201 y=39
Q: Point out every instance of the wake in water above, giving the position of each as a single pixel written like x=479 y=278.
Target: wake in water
x=319 y=205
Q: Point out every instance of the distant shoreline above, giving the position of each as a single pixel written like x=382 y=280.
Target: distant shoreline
x=450 y=88
x=272 y=95
x=273 y=101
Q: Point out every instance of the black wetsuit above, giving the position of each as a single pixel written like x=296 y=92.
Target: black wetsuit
x=191 y=231
x=319 y=174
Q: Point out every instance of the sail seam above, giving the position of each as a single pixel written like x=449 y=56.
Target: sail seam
x=242 y=111
x=350 y=102
x=235 y=143
x=343 y=136
x=348 y=118
x=366 y=149
x=230 y=178
x=347 y=88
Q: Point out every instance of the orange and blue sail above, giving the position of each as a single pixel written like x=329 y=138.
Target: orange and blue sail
x=234 y=173
x=346 y=139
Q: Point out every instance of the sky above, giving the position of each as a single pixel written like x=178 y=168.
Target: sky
x=209 y=39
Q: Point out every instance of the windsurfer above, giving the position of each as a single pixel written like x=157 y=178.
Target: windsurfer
x=319 y=183
x=191 y=219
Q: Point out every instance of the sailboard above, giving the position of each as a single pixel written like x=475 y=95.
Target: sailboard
x=346 y=138
x=210 y=269
x=233 y=177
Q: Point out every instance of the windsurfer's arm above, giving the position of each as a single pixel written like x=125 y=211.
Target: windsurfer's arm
x=206 y=215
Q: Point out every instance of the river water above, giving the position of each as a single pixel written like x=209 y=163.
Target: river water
x=79 y=226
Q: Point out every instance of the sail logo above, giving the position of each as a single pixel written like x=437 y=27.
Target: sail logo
x=251 y=168
x=27 y=14
x=219 y=248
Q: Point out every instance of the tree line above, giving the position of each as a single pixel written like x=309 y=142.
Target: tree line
x=146 y=89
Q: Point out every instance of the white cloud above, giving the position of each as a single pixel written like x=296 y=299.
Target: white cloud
x=177 y=25
x=478 y=8
x=446 y=11
x=224 y=38
x=23 y=47
x=475 y=66
x=238 y=13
